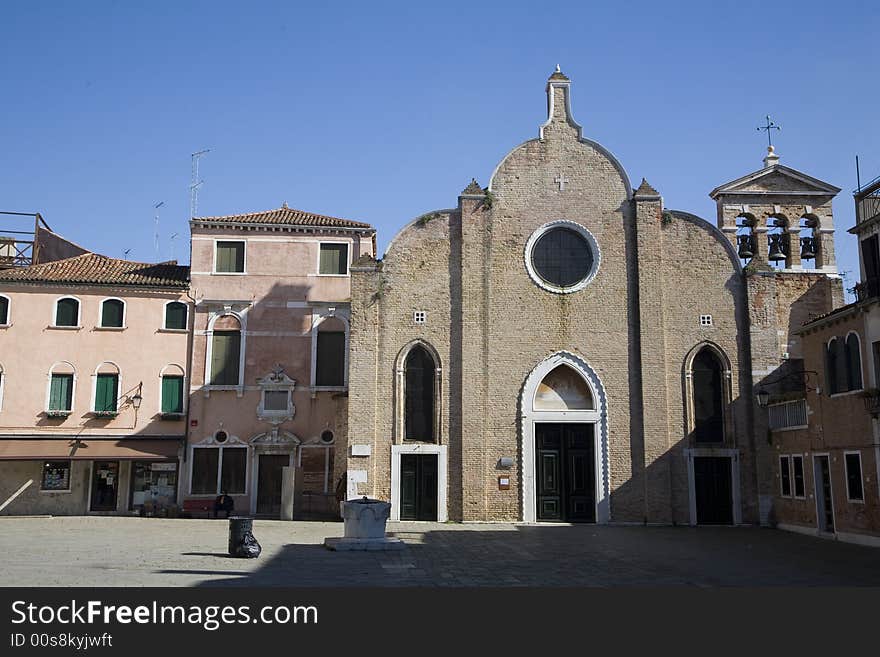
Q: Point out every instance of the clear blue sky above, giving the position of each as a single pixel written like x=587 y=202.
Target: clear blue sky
x=381 y=111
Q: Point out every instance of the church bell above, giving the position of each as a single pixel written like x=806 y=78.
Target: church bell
x=746 y=248
x=777 y=252
x=808 y=248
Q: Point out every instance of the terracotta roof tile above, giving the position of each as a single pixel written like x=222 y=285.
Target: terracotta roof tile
x=95 y=269
x=286 y=216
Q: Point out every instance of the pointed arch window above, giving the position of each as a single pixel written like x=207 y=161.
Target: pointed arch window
x=708 y=395
x=419 y=401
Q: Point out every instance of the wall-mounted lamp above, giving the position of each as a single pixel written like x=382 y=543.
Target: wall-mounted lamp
x=137 y=397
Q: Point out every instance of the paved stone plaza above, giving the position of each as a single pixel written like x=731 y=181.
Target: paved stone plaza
x=117 y=551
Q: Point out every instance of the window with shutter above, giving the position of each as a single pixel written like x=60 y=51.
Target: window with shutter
x=204 y=470
x=854 y=491
x=61 y=392
x=232 y=474
x=175 y=315
x=785 y=476
x=4 y=311
x=105 y=393
x=333 y=259
x=225 y=356
x=172 y=394
x=67 y=312
x=853 y=363
x=330 y=366
x=230 y=258
x=111 y=313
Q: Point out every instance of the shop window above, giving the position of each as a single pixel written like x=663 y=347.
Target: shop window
x=153 y=485
x=56 y=476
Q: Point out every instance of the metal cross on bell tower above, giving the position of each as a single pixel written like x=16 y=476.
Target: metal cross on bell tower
x=768 y=127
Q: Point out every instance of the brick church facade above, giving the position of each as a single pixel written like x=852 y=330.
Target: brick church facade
x=562 y=347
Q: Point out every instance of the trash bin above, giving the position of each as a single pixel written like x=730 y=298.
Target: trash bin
x=241 y=538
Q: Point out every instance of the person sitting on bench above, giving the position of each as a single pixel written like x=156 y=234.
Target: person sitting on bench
x=223 y=503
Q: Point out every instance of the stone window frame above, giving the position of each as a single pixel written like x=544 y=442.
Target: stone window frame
x=244 y=257
x=583 y=232
x=319 y=316
x=348 y=257
x=706 y=321
x=726 y=393
x=64 y=364
x=231 y=442
x=173 y=370
x=185 y=329
x=79 y=311
x=241 y=316
x=400 y=393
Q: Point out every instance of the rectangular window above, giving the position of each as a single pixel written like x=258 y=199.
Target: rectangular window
x=705 y=320
x=56 y=475
x=854 y=491
x=61 y=392
x=204 y=470
x=334 y=259
x=4 y=311
x=232 y=476
x=230 y=258
x=275 y=400
x=172 y=394
x=225 y=357
x=330 y=366
x=154 y=484
x=105 y=393
x=419 y=317
x=785 y=476
x=797 y=466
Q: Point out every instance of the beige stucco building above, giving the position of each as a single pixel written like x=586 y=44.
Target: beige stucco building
x=93 y=359
x=270 y=358
x=559 y=346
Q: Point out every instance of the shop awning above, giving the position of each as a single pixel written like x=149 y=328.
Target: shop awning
x=88 y=449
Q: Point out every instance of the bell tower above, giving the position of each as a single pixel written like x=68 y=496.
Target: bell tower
x=779 y=218
x=780 y=222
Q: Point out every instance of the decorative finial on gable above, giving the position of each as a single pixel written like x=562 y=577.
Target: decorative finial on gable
x=558 y=70
x=558 y=75
x=473 y=188
x=284 y=205
x=771 y=158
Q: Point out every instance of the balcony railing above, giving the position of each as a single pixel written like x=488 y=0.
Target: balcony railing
x=867 y=289
x=868 y=201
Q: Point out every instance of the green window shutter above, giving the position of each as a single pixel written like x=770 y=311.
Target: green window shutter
x=111 y=313
x=172 y=394
x=105 y=392
x=330 y=368
x=67 y=312
x=61 y=392
x=334 y=259
x=225 y=352
x=230 y=257
x=175 y=315
x=4 y=310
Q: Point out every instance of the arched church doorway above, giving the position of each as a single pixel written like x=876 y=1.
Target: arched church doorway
x=564 y=446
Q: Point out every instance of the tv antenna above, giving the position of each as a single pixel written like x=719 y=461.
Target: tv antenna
x=171 y=241
x=195 y=182
x=156 y=234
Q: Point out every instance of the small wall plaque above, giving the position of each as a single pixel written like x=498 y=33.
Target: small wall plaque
x=360 y=450
x=503 y=483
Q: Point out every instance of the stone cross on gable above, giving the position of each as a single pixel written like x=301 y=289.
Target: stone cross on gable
x=561 y=180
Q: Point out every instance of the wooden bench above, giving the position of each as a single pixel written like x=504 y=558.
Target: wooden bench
x=203 y=506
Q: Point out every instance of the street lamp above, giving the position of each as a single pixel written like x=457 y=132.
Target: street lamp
x=763 y=397
x=137 y=398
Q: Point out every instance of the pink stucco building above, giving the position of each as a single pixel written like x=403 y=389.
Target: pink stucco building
x=269 y=380
x=93 y=360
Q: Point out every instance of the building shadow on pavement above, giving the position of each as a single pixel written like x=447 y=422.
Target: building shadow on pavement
x=560 y=556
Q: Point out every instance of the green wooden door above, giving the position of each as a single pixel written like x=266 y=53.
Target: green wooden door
x=418 y=486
